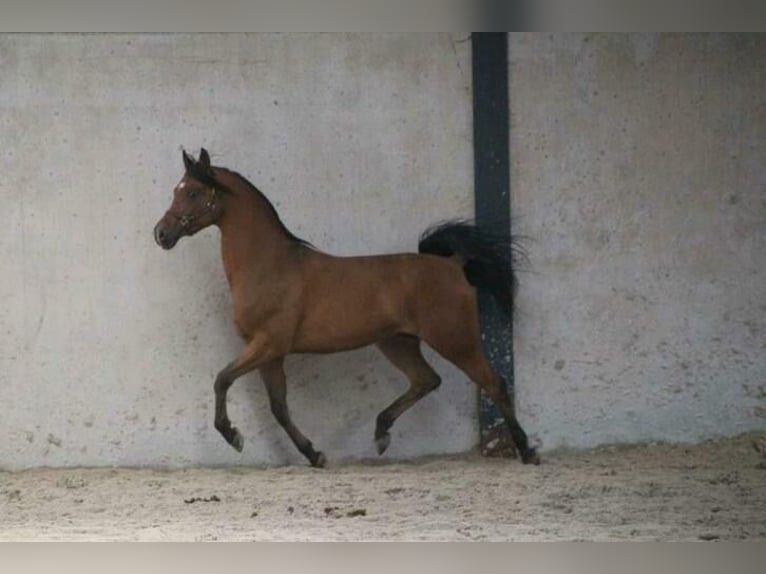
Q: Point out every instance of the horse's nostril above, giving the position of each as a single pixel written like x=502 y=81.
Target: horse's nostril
x=160 y=236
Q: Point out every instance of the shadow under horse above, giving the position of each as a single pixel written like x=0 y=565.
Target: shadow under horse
x=289 y=297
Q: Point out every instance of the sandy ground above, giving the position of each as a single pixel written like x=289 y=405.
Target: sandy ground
x=712 y=491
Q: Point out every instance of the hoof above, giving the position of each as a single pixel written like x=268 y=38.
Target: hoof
x=319 y=460
x=530 y=456
x=382 y=442
x=236 y=440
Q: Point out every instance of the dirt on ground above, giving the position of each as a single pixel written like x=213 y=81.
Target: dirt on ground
x=711 y=491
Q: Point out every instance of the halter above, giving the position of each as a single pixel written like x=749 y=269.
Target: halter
x=185 y=220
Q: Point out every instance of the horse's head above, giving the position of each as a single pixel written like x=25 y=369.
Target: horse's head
x=196 y=203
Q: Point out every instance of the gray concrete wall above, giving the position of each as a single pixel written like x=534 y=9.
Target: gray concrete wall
x=639 y=176
x=108 y=345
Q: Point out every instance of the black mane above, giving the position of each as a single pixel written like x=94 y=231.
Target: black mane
x=198 y=173
x=269 y=205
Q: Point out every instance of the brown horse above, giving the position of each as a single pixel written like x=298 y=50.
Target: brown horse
x=291 y=298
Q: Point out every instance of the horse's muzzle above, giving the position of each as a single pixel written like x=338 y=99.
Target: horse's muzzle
x=166 y=235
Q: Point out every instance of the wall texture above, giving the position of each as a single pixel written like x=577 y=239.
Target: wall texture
x=108 y=345
x=639 y=176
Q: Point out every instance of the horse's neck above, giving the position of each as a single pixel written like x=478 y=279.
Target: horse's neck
x=253 y=246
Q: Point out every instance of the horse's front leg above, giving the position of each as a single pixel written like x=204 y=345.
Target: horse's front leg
x=256 y=353
x=273 y=375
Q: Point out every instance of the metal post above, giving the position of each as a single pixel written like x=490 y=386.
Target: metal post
x=491 y=131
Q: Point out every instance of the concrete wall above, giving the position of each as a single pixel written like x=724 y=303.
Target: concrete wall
x=108 y=345
x=639 y=175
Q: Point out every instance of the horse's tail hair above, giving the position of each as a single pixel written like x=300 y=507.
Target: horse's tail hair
x=488 y=258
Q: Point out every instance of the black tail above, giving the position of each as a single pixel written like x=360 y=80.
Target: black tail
x=488 y=258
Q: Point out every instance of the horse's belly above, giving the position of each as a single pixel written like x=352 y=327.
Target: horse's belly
x=349 y=327
x=334 y=338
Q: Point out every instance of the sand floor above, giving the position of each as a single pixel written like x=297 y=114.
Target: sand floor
x=712 y=491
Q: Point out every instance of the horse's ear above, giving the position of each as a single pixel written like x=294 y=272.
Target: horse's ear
x=204 y=159
x=188 y=161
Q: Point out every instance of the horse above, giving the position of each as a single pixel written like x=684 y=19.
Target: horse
x=290 y=297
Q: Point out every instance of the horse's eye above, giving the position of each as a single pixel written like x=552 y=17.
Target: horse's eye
x=192 y=193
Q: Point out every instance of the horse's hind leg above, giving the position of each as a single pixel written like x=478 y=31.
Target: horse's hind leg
x=273 y=375
x=404 y=352
x=476 y=366
x=461 y=345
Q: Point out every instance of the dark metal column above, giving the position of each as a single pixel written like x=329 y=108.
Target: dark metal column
x=491 y=130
